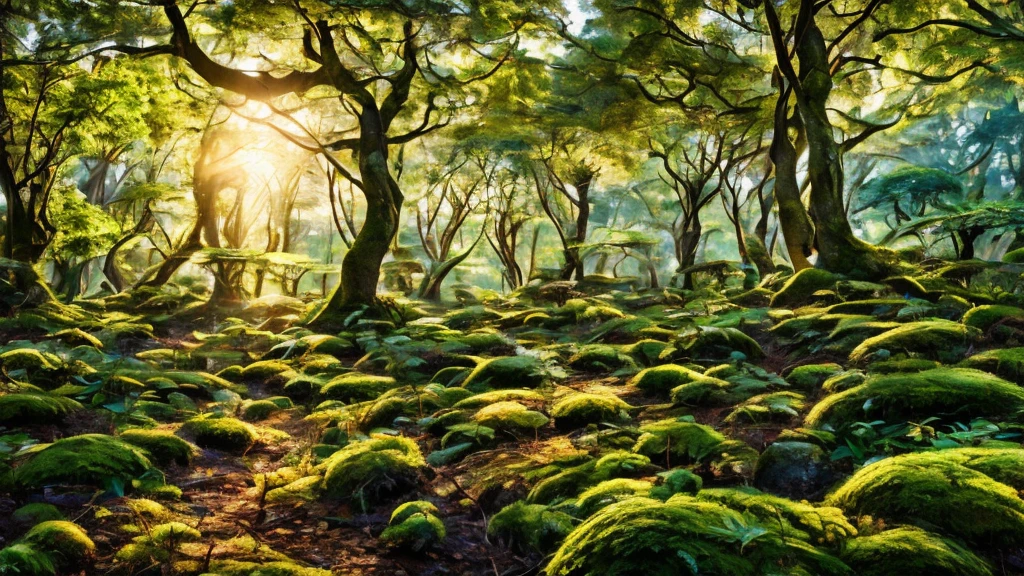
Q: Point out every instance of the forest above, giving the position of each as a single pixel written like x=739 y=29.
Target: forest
x=512 y=288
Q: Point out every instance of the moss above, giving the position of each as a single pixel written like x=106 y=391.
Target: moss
x=645 y=352
x=795 y=469
x=28 y=359
x=485 y=398
x=450 y=375
x=159 y=411
x=985 y=317
x=36 y=512
x=800 y=520
x=801 y=286
x=903 y=365
x=416 y=533
x=505 y=372
x=530 y=527
x=509 y=416
x=1006 y=363
x=273 y=568
x=809 y=377
x=579 y=409
x=92 y=459
x=608 y=492
x=156 y=546
x=264 y=369
x=775 y=406
x=843 y=381
x=404 y=511
x=327 y=344
x=687 y=442
x=1014 y=256
x=911 y=551
x=876 y=308
x=489 y=341
x=24 y=560
x=259 y=409
x=66 y=543
x=26 y=408
x=368 y=470
x=163 y=446
x=705 y=343
x=382 y=413
x=601 y=357
x=305 y=489
x=662 y=379
x=935 y=339
x=706 y=391
x=935 y=488
x=680 y=536
x=962 y=392
x=570 y=482
x=679 y=481
x=220 y=433
x=356 y=387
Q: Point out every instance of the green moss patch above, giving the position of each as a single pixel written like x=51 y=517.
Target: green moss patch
x=530 y=527
x=986 y=317
x=934 y=339
x=356 y=387
x=28 y=408
x=163 y=446
x=220 y=433
x=366 y=471
x=579 y=409
x=92 y=459
x=506 y=372
x=1006 y=363
x=662 y=379
x=911 y=551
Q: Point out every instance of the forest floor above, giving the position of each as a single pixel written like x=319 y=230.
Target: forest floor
x=252 y=445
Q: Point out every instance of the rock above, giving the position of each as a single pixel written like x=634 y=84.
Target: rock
x=797 y=470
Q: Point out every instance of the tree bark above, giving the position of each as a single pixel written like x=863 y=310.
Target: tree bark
x=797 y=229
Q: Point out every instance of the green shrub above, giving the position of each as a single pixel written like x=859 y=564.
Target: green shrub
x=911 y=551
x=579 y=409
x=163 y=446
x=962 y=392
x=371 y=469
x=92 y=459
x=220 y=433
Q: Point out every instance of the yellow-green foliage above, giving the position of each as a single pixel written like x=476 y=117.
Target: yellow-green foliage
x=910 y=551
x=685 y=441
x=799 y=288
x=662 y=379
x=414 y=526
x=683 y=536
x=935 y=339
x=610 y=491
x=598 y=357
x=485 y=398
x=24 y=560
x=1004 y=362
x=810 y=377
x=579 y=409
x=530 y=527
x=939 y=489
x=259 y=409
x=24 y=408
x=571 y=481
x=220 y=433
x=815 y=524
x=65 y=542
x=509 y=416
x=163 y=446
x=645 y=352
x=36 y=512
x=356 y=387
x=767 y=407
x=158 y=544
x=909 y=396
x=300 y=490
x=985 y=317
x=92 y=459
x=505 y=372
x=373 y=468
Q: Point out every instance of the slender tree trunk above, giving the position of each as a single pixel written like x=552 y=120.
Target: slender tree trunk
x=797 y=229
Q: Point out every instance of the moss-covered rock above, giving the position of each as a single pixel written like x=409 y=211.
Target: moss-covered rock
x=680 y=536
x=800 y=287
x=911 y=551
x=92 y=459
x=220 y=433
x=65 y=542
x=662 y=379
x=34 y=408
x=506 y=372
x=937 y=488
x=774 y=406
x=28 y=359
x=1014 y=256
x=509 y=416
x=571 y=481
x=367 y=470
x=157 y=545
x=579 y=409
x=530 y=527
x=682 y=442
x=608 y=492
x=711 y=343
x=678 y=481
x=414 y=526
x=509 y=395
x=264 y=369
x=162 y=445
x=601 y=357
x=256 y=410
x=962 y=392
x=36 y=512
x=985 y=317
x=355 y=387
x=1006 y=363
x=796 y=519
x=935 y=339
x=793 y=469
x=810 y=377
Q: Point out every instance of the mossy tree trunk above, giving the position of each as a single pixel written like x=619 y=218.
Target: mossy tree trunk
x=797 y=229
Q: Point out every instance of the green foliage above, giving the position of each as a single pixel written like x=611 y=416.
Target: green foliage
x=911 y=551
x=935 y=339
x=36 y=512
x=26 y=408
x=571 y=481
x=91 y=459
x=810 y=377
x=506 y=372
x=580 y=409
x=369 y=470
x=220 y=433
x=414 y=526
x=24 y=560
x=911 y=189
x=601 y=357
x=163 y=446
x=65 y=542
x=530 y=527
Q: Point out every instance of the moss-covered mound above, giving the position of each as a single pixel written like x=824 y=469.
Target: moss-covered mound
x=986 y=317
x=672 y=442
x=1006 y=363
x=962 y=392
x=28 y=408
x=414 y=526
x=506 y=372
x=681 y=536
x=809 y=377
x=608 y=492
x=36 y=512
x=578 y=410
x=220 y=433
x=800 y=287
x=530 y=527
x=935 y=339
x=711 y=343
x=662 y=379
x=355 y=387
x=601 y=357
x=65 y=542
x=91 y=459
x=911 y=551
x=163 y=446
x=256 y=410
x=366 y=471
x=797 y=519
x=937 y=489
x=24 y=560
x=570 y=482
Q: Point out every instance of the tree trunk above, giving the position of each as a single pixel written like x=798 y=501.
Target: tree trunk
x=797 y=229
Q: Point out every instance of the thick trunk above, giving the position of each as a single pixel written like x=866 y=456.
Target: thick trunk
x=686 y=250
x=797 y=229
